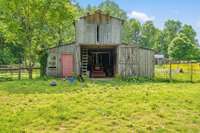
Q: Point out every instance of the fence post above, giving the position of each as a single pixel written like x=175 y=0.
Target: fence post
x=170 y=70
x=191 y=71
x=20 y=73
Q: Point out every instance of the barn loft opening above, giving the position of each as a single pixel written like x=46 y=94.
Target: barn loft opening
x=101 y=62
x=97 y=33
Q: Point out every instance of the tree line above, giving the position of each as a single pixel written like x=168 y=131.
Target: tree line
x=29 y=27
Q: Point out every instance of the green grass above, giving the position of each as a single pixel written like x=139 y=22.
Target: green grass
x=99 y=106
x=162 y=72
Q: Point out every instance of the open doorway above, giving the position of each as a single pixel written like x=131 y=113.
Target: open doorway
x=101 y=62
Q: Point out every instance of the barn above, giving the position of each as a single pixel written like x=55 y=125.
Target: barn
x=99 y=52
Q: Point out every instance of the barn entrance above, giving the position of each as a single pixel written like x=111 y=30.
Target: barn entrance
x=98 y=62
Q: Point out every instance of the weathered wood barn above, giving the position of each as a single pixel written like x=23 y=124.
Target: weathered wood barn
x=99 y=51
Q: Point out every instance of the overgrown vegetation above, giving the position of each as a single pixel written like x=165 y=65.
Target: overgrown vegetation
x=99 y=106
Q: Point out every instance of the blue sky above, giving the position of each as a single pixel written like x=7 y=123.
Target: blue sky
x=187 y=11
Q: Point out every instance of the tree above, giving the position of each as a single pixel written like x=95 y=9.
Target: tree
x=132 y=31
x=10 y=53
x=170 y=31
x=148 y=35
x=112 y=8
x=181 y=48
x=37 y=24
x=6 y=56
x=190 y=33
x=159 y=46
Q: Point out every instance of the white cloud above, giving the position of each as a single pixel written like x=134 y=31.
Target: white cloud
x=140 y=16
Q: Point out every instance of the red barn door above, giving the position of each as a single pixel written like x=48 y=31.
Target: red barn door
x=67 y=65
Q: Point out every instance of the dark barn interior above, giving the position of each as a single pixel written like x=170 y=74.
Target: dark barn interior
x=101 y=62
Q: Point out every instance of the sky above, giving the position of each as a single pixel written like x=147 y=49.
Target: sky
x=187 y=11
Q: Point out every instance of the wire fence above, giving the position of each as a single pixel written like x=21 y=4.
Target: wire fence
x=183 y=71
x=16 y=72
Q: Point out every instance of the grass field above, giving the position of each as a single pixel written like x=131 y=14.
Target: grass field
x=162 y=72
x=99 y=106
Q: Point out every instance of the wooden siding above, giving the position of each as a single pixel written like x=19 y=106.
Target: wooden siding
x=146 y=63
x=127 y=61
x=131 y=60
x=135 y=61
x=57 y=52
x=109 y=33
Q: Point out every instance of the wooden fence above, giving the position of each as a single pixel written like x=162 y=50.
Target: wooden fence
x=15 y=72
x=186 y=71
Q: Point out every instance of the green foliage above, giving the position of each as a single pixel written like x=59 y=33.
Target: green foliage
x=113 y=9
x=109 y=7
x=145 y=35
x=181 y=48
x=148 y=35
x=6 y=56
x=9 y=53
x=43 y=62
x=190 y=33
x=170 y=31
x=159 y=44
x=131 y=31
x=172 y=27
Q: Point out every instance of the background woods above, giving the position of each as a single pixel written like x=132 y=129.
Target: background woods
x=28 y=28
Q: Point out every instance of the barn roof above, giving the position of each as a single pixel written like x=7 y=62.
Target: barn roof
x=138 y=46
x=98 y=16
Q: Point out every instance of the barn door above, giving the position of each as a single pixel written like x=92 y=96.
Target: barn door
x=67 y=65
x=127 y=61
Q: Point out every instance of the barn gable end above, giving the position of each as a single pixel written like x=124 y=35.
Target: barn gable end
x=98 y=29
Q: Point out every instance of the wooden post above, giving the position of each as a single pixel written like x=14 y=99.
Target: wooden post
x=191 y=71
x=170 y=70
x=20 y=73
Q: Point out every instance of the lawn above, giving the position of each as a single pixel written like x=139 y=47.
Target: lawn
x=99 y=106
